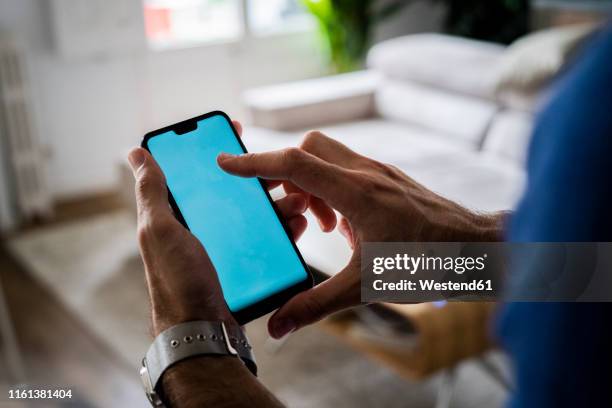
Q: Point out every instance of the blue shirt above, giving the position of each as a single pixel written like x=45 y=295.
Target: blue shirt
x=562 y=352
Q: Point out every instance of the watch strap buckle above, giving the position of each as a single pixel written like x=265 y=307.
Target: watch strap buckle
x=228 y=343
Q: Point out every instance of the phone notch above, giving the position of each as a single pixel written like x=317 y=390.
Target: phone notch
x=185 y=127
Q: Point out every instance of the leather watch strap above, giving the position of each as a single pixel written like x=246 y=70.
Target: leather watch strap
x=191 y=339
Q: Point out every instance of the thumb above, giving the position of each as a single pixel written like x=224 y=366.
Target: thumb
x=150 y=189
x=339 y=292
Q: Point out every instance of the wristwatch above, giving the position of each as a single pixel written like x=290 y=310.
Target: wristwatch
x=187 y=340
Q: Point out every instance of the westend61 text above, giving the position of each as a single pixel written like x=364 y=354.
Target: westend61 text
x=430 y=284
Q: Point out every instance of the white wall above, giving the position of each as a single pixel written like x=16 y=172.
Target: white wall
x=89 y=111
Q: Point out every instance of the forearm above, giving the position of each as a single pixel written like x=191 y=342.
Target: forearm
x=491 y=227
x=215 y=382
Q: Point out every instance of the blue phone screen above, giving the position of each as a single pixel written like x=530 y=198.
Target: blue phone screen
x=230 y=215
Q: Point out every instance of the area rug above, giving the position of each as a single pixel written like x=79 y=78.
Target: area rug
x=93 y=267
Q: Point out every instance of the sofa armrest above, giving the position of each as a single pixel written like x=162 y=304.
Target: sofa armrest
x=313 y=102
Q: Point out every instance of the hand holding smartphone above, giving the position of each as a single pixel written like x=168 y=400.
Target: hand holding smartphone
x=258 y=264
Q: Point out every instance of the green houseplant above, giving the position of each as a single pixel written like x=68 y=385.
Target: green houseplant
x=346 y=26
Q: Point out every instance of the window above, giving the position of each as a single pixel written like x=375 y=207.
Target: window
x=183 y=23
x=170 y=23
x=272 y=16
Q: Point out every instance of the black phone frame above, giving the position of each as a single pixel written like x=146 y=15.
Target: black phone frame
x=276 y=300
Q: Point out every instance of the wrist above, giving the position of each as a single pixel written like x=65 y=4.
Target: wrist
x=165 y=318
x=466 y=226
x=201 y=373
x=489 y=227
x=177 y=348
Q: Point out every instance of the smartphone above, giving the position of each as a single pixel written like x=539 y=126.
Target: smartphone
x=235 y=219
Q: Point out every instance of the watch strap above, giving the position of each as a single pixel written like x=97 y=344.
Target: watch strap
x=196 y=338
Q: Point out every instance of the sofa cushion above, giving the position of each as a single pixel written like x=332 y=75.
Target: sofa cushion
x=533 y=60
x=509 y=136
x=460 y=117
x=452 y=63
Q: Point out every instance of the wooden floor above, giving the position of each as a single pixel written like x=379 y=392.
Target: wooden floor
x=58 y=351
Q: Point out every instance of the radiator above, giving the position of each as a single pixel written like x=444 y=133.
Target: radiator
x=24 y=155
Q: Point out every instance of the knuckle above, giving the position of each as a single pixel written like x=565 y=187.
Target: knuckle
x=163 y=229
x=158 y=230
x=144 y=233
x=383 y=168
x=293 y=157
x=145 y=183
x=394 y=170
x=311 y=138
x=141 y=186
x=387 y=175
x=293 y=153
x=248 y=157
x=249 y=160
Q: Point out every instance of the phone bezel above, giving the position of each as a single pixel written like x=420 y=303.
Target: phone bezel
x=270 y=303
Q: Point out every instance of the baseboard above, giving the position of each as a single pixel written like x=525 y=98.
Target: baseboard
x=75 y=207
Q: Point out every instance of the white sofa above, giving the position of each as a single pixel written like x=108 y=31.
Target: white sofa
x=426 y=104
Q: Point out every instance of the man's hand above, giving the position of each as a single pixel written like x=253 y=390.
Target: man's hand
x=181 y=279
x=377 y=202
x=183 y=286
x=182 y=282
